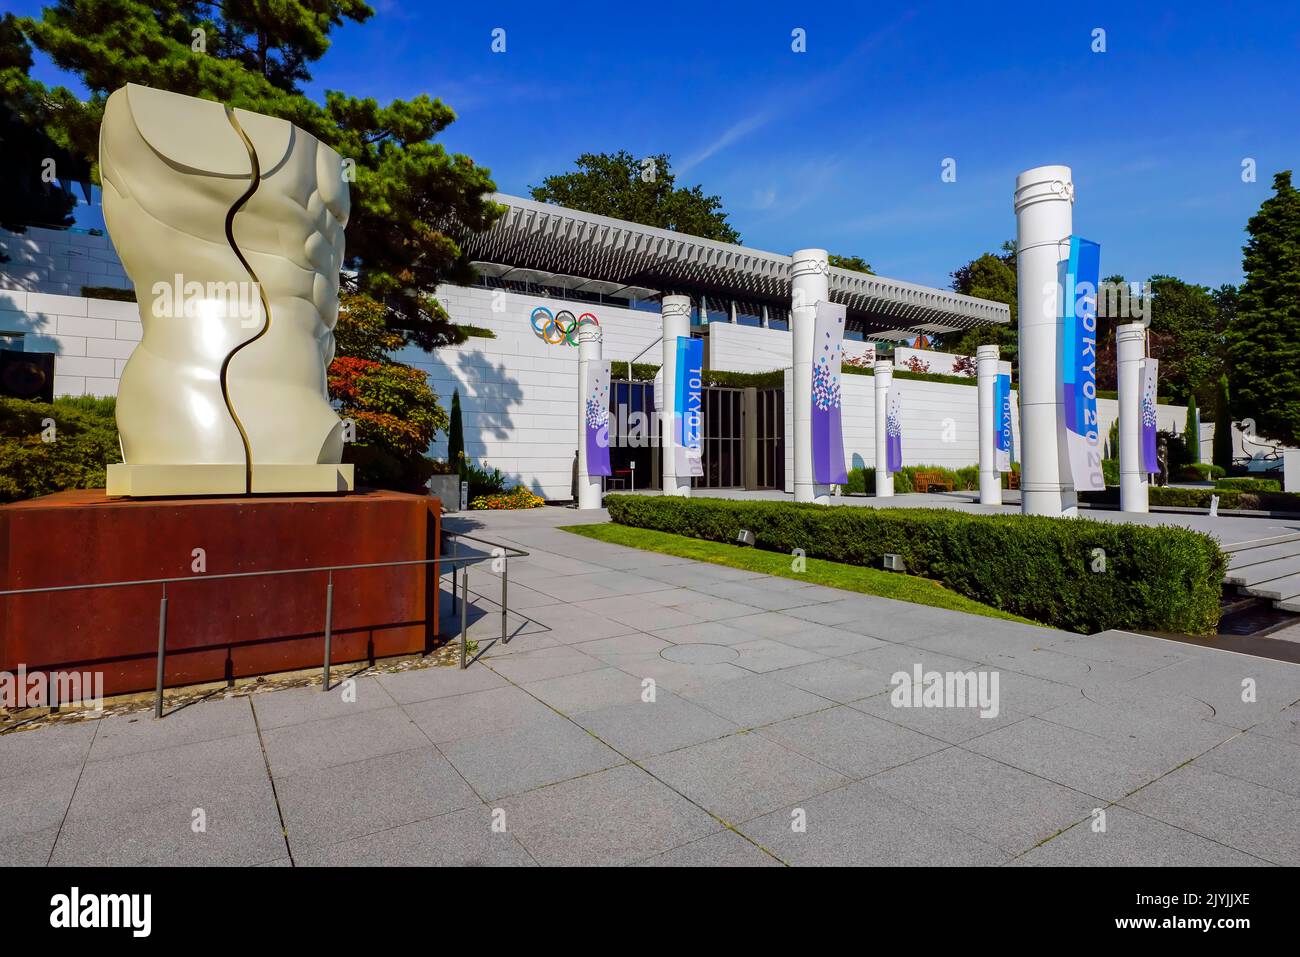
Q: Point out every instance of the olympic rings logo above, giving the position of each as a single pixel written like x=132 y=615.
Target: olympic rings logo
x=555 y=328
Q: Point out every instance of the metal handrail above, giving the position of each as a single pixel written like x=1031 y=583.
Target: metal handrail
x=458 y=561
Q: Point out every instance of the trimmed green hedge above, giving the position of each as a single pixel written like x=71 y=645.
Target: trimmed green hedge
x=1156 y=577
x=1249 y=484
x=1175 y=497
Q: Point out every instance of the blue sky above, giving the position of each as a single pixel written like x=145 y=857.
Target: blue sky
x=842 y=146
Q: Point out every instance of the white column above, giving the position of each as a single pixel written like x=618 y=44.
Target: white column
x=589 y=351
x=676 y=314
x=767 y=321
x=1044 y=220
x=986 y=365
x=884 y=376
x=1130 y=350
x=809 y=285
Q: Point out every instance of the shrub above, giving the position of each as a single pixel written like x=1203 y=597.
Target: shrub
x=84 y=443
x=518 y=497
x=1155 y=577
x=1197 y=472
x=863 y=480
x=1110 y=471
x=1248 y=484
x=482 y=481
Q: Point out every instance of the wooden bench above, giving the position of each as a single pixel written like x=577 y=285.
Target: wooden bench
x=1013 y=479
x=929 y=481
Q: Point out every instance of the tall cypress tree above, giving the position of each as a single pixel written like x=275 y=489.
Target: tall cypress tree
x=1222 y=426
x=1263 y=342
x=1192 y=430
x=456 y=434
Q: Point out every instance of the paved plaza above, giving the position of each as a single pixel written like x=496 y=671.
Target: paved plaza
x=771 y=739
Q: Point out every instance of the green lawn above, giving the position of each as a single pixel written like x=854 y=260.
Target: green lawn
x=869 y=581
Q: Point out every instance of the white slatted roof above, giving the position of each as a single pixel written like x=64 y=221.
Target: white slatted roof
x=551 y=245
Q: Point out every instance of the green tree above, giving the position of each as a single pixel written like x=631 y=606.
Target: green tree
x=410 y=198
x=26 y=151
x=854 y=263
x=1222 y=425
x=1263 y=342
x=993 y=277
x=395 y=412
x=641 y=191
x=456 y=434
x=1192 y=430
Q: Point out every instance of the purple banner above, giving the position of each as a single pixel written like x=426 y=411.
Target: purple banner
x=596 y=418
x=893 y=431
x=827 y=432
x=1150 y=451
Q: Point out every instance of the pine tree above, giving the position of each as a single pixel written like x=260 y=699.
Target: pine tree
x=1263 y=342
x=1222 y=426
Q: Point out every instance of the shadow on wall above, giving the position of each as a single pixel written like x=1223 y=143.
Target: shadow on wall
x=489 y=397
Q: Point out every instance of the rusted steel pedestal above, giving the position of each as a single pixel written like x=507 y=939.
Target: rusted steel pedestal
x=216 y=629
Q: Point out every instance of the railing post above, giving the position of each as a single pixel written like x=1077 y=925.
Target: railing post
x=505 y=579
x=329 y=627
x=464 y=613
x=162 y=653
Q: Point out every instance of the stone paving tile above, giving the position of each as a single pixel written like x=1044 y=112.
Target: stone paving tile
x=674 y=675
x=996 y=803
x=1250 y=818
x=1174 y=728
x=742 y=776
x=242 y=827
x=458 y=839
x=347 y=801
x=637 y=616
x=759 y=596
x=324 y=744
x=613 y=817
x=31 y=802
x=862 y=826
x=755 y=700
x=27 y=848
x=829 y=642
x=633 y=643
x=712 y=632
x=1219 y=683
x=288 y=706
x=1285 y=725
x=1053 y=665
x=544 y=663
x=1132 y=840
x=953 y=725
x=896 y=622
x=184 y=771
x=511 y=762
x=569 y=624
x=828 y=613
x=851 y=742
x=479 y=712
x=587 y=690
x=769 y=624
x=982 y=636
x=642 y=729
x=1025 y=694
x=726 y=848
x=892 y=657
x=768 y=654
x=706 y=608
x=425 y=684
x=835 y=679
x=1085 y=762
x=1119 y=647
x=45 y=749
x=1257 y=759
x=203 y=721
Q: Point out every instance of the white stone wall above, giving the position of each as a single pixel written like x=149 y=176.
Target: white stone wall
x=91 y=338
x=59 y=261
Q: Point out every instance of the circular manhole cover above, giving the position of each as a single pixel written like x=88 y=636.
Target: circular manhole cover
x=699 y=654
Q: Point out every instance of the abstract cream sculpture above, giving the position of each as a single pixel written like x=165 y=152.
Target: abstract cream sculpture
x=230 y=225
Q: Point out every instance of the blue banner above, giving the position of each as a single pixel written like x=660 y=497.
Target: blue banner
x=1002 y=412
x=1078 y=329
x=688 y=391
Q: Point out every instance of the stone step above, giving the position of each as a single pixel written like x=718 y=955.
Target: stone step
x=1279 y=589
x=1264 y=571
x=1262 y=553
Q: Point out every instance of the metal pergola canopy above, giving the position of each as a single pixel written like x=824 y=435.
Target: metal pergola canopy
x=553 y=246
